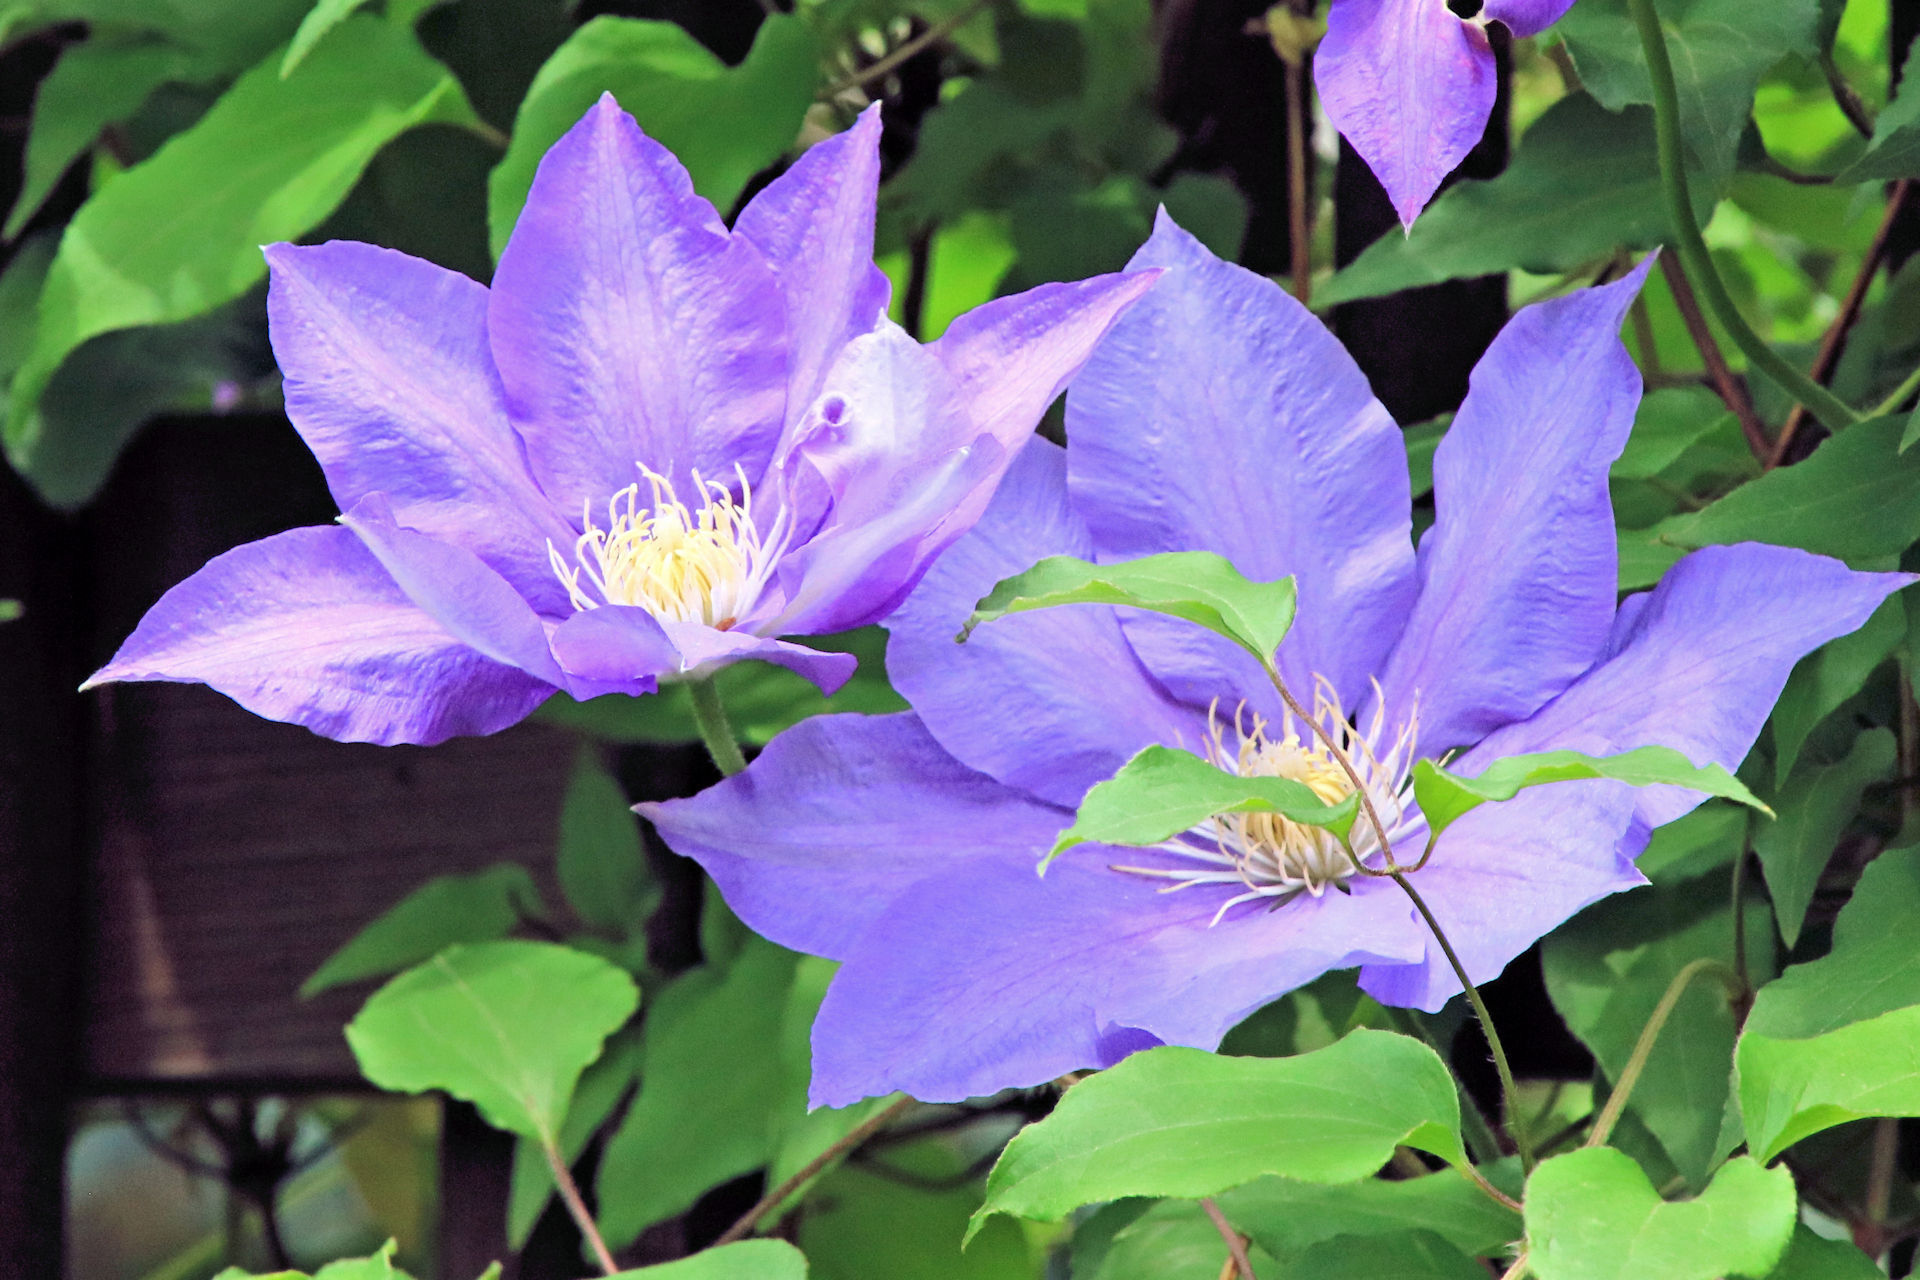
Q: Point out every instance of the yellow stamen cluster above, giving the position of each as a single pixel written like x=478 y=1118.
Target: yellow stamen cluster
x=661 y=556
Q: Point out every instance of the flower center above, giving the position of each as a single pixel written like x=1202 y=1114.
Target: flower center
x=1273 y=856
x=679 y=565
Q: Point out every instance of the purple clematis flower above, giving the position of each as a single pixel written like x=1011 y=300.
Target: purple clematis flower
x=1411 y=85
x=654 y=446
x=1219 y=415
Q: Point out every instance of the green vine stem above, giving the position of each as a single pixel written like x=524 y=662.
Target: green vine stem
x=715 y=730
x=1823 y=404
x=1643 y=1048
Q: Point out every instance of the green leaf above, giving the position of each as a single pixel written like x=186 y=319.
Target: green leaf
x=1873 y=968
x=1669 y=421
x=1790 y=1089
x=601 y=1087
x=1288 y=1217
x=1172 y=1240
x=1855 y=498
x=268 y=162
x=1711 y=836
x=322 y=18
x=1423 y=440
x=378 y=1267
x=1592 y=1215
x=1179 y=1122
x=711 y=1096
x=602 y=866
x=747 y=1260
x=1828 y=677
x=507 y=1026
x=1162 y=792
x=1720 y=49
x=479 y=906
x=724 y=123
x=1816 y=806
x=1404 y=1255
x=1583 y=182
x=1195 y=585
x=1809 y=1257
x=94 y=84
x=1446 y=797
x=1894 y=150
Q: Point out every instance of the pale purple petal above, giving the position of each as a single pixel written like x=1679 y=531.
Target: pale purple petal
x=1037 y=977
x=616 y=648
x=1410 y=86
x=1012 y=357
x=1525 y=17
x=839 y=816
x=1505 y=875
x=306 y=627
x=702 y=649
x=456 y=589
x=814 y=225
x=629 y=327
x=390 y=382
x=1699 y=662
x=1052 y=701
x=1518 y=574
x=1220 y=415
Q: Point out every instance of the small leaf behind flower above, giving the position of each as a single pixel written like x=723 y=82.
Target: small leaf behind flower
x=1446 y=797
x=747 y=1260
x=1196 y=585
x=1162 y=792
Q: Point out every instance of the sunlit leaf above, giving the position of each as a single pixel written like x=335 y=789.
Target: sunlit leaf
x=1791 y=1089
x=747 y=1260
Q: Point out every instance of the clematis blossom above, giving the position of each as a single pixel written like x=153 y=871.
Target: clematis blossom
x=1220 y=416
x=1411 y=85
x=654 y=446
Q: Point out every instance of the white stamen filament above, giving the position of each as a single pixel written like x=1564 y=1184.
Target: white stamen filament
x=661 y=556
x=1274 y=856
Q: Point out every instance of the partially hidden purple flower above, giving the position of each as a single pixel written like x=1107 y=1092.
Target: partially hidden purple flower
x=654 y=446
x=1220 y=416
x=1411 y=85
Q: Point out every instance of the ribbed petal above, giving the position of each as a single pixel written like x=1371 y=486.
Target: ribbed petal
x=390 y=381
x=629 y=327
x=1699 y=661
x=1519 y=573
x=1052 y=701
x=456 y=589
x=1038 y=977
x=306 y=627
x=814 y=225
x=838 y=817
x=1504 y=876
x=1525 y=17
x=1410 y=86
x=1221 y=416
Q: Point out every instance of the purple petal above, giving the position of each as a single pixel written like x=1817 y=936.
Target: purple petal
x=1410 y=86
x=839 y=816
x=307 y=627
x=1038 y=977
x=1012 y=357
x=456 y=589
x=616 y=648
x=1518 y=574
x=1505 y=875
x=1221 y=416
x=390 y=381
x=1698 y=663
x=629 y=327
x=1052 y=701
x=702 y=649
x=814 y=225
x=1525 y=17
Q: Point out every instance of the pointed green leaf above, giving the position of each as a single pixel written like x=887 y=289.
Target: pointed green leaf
x=1819 y=802
x=1179 y=1122
x=1810 y=1257
x=1829 y=676
x=1162 y=792
x=1287 y=1217
x=1593 y=1215
x=602 y=866
x=1445 y=797
x=747 y=1260
x=724 y=123
x=1894 y=150
x=1873 y=968
x=507 y=1026
x=1790 y=1089
x=1195 y=585
x=477 y=907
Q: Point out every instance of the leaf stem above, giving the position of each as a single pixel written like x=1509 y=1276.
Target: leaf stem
x=1236 y=1247
x=711 y=719
x=1732 y=393
x=1693 y=248
x=570 y=1196
x=885 y=66
x=1892 y=403
x=1643 y=1048
x=1522 y=1143
x=744 y=1225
